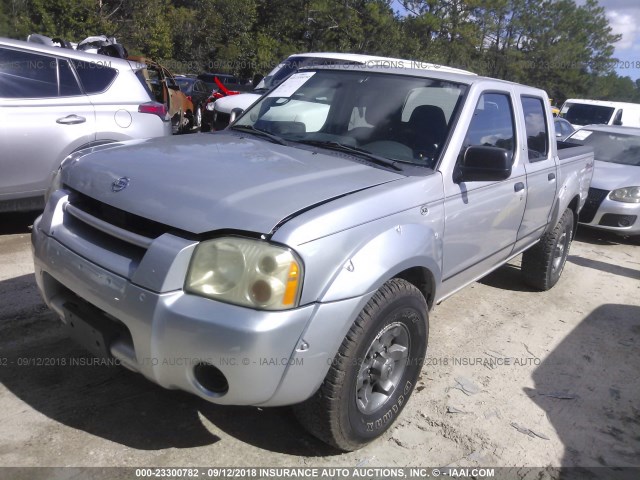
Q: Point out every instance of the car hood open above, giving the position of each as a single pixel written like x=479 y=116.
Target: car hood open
x=205 y=182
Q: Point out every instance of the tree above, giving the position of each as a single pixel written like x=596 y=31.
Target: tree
x=553 y=44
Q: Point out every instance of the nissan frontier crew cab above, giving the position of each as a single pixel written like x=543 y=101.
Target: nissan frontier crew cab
x=292 y=258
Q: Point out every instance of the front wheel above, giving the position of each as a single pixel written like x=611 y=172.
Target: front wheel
x=543 y=263
x=374 y=373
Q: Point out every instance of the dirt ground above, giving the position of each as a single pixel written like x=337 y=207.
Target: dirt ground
x=514 y=378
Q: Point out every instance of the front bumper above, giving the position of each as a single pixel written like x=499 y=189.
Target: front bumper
x=619 y=217
x=264 y=356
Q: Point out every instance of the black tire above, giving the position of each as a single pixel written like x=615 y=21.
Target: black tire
x=176 y=123
x=348 y=412
x=543 y=263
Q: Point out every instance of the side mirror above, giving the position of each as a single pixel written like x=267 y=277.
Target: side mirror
x=484 y=164
x=235 y=113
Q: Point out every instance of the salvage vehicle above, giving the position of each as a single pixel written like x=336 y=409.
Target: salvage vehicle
x=219 y=91
x=197 y=93
x=292 y=259
x=165 y=89
x=222 y=111
x=54 y=101
x=230 y=82
x=614 y=197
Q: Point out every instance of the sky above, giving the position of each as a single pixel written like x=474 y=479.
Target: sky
x=624 y=19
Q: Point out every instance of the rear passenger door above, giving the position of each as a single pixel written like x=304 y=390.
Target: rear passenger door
x=44 y=116
x=483 y=217
x=540 y=166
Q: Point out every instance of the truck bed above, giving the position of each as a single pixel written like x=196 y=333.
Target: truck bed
x=567 y=150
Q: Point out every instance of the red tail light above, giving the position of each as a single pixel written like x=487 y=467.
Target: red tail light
x=189 y=98
x=155 y=108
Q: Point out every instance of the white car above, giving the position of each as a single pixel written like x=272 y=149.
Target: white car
x=223 y=108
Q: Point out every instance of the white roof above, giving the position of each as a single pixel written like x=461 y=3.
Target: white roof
x=604 y=103
x=373 y=60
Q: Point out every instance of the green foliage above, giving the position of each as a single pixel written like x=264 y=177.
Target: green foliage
x=560 y=46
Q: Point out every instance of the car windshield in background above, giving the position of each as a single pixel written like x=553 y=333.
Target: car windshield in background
x=610 y=147
x=282 y=71
x=185 y=84
x=409 y=122
x=584 y=114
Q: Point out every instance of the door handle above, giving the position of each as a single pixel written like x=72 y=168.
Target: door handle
x=551 y=177
x=71 y=120
x=518 y=187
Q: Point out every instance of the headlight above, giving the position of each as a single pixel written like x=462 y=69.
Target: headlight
x=626 y=195
x=210 y=106
x=245 y=272
x=56 y=184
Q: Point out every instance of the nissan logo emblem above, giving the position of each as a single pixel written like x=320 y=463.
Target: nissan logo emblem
x=120 y=184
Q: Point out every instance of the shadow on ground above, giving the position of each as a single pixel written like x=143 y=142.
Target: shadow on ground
x=13 y=223
x=589 y=390
x=604 y=237
x=507 y=277
x=607 y=267
x=115 y=404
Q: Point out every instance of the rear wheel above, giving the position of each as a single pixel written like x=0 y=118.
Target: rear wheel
x=543 y=263
x=177 y=123
x=374 y=373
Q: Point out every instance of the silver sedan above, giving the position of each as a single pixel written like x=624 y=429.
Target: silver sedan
x=614 y=197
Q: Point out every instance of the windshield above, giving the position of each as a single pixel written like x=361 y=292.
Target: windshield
x=290 y=65
x=610 y=147
x=400 y=118
x=584 y=114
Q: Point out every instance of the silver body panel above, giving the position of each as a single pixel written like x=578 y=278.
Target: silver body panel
x=353 y=226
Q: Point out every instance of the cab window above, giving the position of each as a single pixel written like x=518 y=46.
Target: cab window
x=492 y=123
x=536 y=125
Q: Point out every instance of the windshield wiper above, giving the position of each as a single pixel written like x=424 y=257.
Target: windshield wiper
x=341 y=147
x=261 y=133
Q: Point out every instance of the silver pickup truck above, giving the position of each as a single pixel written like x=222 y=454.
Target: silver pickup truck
x=292 y=259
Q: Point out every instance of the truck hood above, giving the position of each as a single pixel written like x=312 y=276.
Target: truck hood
x=609 y=176
x=242 y=100
x=205 y=182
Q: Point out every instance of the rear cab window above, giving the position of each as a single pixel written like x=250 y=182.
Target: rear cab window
x=535 y=121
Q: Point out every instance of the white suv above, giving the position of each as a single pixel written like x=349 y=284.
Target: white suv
x=54 y=101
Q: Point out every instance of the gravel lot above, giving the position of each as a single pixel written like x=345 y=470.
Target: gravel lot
x=515 y=378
